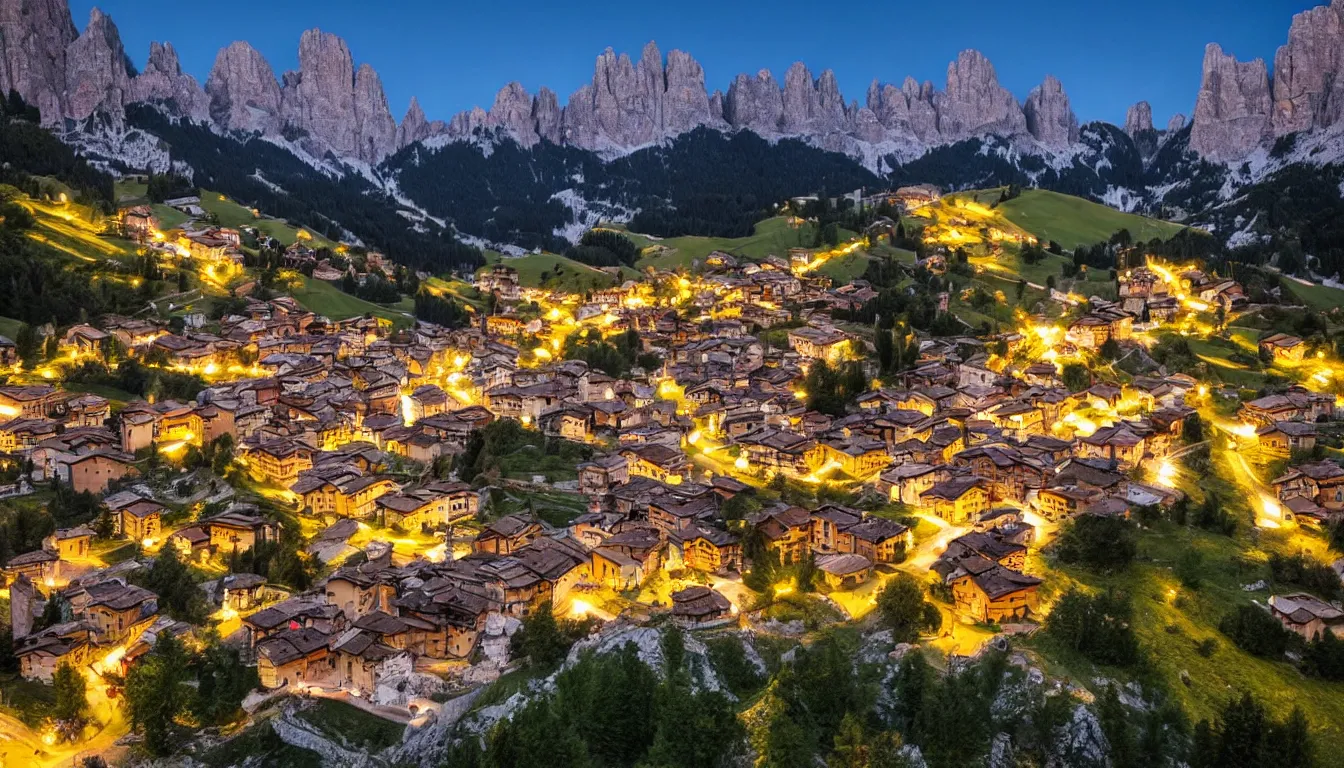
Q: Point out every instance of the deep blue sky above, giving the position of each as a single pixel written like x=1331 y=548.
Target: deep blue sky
x=455 y=55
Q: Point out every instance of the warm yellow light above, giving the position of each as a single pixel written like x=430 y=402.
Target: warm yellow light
x=1166 y=474
x=742 y=463
x=542 y=353
x=578 y=609
x=407 y=411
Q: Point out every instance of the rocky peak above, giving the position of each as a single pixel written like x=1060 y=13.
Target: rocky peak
x=375 y=130
x=34 y=35
x=923 y=112
x=975 y=103
x=96 y=69
x=243 y=92
x=1139 y=119
x=414 y=126
x=1308 y=92
x=754 y=103
x=547 y=115
x=800 y=99
x=1176 y=123
x=686 y=103
x=512 y=111
x=1049 y=116
x=1232 y=113
x=162 y=81
x=334 y=107
x=629 y=105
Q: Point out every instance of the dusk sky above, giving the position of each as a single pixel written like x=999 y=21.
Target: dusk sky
x=457 y=55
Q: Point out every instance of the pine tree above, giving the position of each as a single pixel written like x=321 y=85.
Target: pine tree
x=156 y=693
x=71 y=698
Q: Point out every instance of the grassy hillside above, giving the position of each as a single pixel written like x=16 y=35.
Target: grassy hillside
x=1071 y=221
x=772 y=237
x=550 y=270
x=232 y=214
x=326 y=299
x=76 y=231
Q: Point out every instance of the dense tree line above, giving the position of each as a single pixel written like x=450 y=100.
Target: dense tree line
x=298 y=192
x=604 y=248
x=168 y=186
x=703 y=182
x=440 y=310
x=375 y=288
x=830 y=389
x=1100 y=542
x=974 y=164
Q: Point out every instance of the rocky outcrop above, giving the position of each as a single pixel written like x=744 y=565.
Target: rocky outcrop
x=163 y=81
x=975 y=103
x=685 y=101
x=632 y=104
x=716 y=107
x=334 y=107
x=923 y=111
x=96 y=69
x=319 y=99
x=243 y=92
x=512 y=111
x=414 y=126
x=1308 y=92
x=1049 y=116
x=1139 y=119
x=754 y=103
x=375 y=130
x=34 y=35
x=813 y=107
x=1176 y=123
x=1232 y=113
x=547 y=116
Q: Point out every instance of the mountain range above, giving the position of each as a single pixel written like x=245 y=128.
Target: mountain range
x=1247 y=123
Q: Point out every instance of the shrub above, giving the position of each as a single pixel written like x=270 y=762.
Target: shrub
x=1103 y=543
x=1254 y=631
x=1098 y=627
x=904 y=610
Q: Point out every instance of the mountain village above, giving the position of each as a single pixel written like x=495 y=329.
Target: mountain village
x=351 y=440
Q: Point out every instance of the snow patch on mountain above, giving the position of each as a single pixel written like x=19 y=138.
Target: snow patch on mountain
x=587 y=213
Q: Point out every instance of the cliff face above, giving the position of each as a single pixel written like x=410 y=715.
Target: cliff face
x=162 y=81
x=34 y=35
x=1138 y=119
x=974 y=102
x=1049 y=117
x=1232 y=113
x=95 y=69
x=244 y=95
